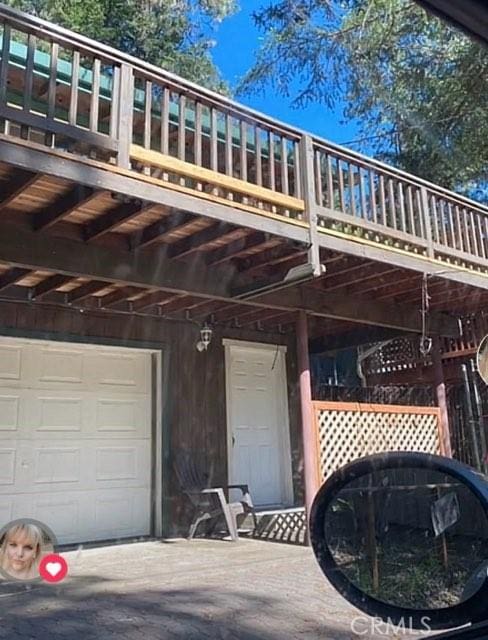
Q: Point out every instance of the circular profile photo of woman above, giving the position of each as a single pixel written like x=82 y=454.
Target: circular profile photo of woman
x=23 y=545
x=482 y=359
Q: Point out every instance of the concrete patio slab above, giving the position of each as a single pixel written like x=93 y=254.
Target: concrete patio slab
x=160 y=590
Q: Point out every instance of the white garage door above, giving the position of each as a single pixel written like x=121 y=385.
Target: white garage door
x=75 y=438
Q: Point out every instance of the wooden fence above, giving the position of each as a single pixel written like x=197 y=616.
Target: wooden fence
x=347 y=431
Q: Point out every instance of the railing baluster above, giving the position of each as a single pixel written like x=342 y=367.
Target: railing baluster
x=73 y=94
x=410 y=210
x=114 y=102
x=165 y=121
x=243 y=149
x=228 y=145
x=479 y=235
x=29 y=71
x=257 y=150
x=475 y=247
x=427 y=221
x=468 y=231
x=372 y=196
x=401 y=202
x=451 y=226
x=271 y=157
x=485 y=220
x=461 y=231
x=364 y=209
x=214 y=161
x=442 y=221
x=434 y=221
x=341 y=186
x=296 y=170
x=95 y=96
x=391 y=203
x=352 y=189
x=284 y=166
x=330 y=183
x=383 y=200
x=147 y=114
x=318 y=178
x=182 y=128
x=51 y=92
x=4 y=62
x=198 y=139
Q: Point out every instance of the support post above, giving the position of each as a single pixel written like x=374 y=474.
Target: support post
x=310 y=453
x=307 y=172
x=440 y=387
x=126 y=106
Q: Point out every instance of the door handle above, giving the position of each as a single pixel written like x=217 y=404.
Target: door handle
x=233 y=440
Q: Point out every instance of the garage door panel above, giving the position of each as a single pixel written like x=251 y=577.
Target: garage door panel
x=10 y=365
x=8 y=464
x=75 y=438
x=10 y=405
x=123 y=373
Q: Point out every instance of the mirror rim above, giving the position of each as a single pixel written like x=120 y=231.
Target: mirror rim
x=473 y=609
x=483 y=344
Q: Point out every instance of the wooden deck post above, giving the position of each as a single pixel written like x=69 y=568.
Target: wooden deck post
x=307 y=172
x=310 y=453
x=440 y=388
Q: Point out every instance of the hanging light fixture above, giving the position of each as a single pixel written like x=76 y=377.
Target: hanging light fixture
x=205 y=338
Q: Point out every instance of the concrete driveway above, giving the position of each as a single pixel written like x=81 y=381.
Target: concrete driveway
x=162 y=590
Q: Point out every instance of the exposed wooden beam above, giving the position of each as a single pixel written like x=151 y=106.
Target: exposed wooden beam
x=238 y=247
x=257 y=262
x=177 y=304
x=48 y=285
x=151 y=299
x=155 y=231
x=198 y=240
x=358 y=310
x=117 y=296
x=18 y=181
x=85 y=291
x=62 y=207
x=22 y=248
x=12 y=276
x=121 y=213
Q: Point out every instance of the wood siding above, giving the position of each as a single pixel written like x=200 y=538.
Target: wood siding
x=194 y=404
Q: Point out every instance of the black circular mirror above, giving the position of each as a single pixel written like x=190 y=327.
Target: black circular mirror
x=405 y=534
x=482 y=359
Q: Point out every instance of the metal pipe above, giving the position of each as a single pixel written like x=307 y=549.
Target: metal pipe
x=471 y=420
x=479 y=412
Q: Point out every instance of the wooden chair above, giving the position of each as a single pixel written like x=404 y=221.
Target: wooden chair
x=210 y=503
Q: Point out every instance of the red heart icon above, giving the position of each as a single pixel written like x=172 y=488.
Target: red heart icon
x=53 y=568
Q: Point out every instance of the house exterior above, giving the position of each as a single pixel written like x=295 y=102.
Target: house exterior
x=136 y=209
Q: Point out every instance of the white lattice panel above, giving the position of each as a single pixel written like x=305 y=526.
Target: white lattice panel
x=350 y=431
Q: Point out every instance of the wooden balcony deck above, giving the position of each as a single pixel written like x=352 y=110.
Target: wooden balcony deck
x=99 y=148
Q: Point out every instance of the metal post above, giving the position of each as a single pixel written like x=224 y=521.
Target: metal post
x=310 y=453
x=471 y=419
x=479 y=412
x=440 y=388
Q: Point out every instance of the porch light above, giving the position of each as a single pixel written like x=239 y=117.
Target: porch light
x=205 y=338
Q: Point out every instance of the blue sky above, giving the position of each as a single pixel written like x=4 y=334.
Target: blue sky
x=237 y=39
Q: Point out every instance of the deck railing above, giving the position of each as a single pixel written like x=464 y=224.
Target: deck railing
x=72 y=93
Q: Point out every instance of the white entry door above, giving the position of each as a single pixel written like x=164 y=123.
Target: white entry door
x=259 y=446
x=75 y=438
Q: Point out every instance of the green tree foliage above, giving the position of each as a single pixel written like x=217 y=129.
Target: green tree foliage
x=418 y=88
x=172 y=34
